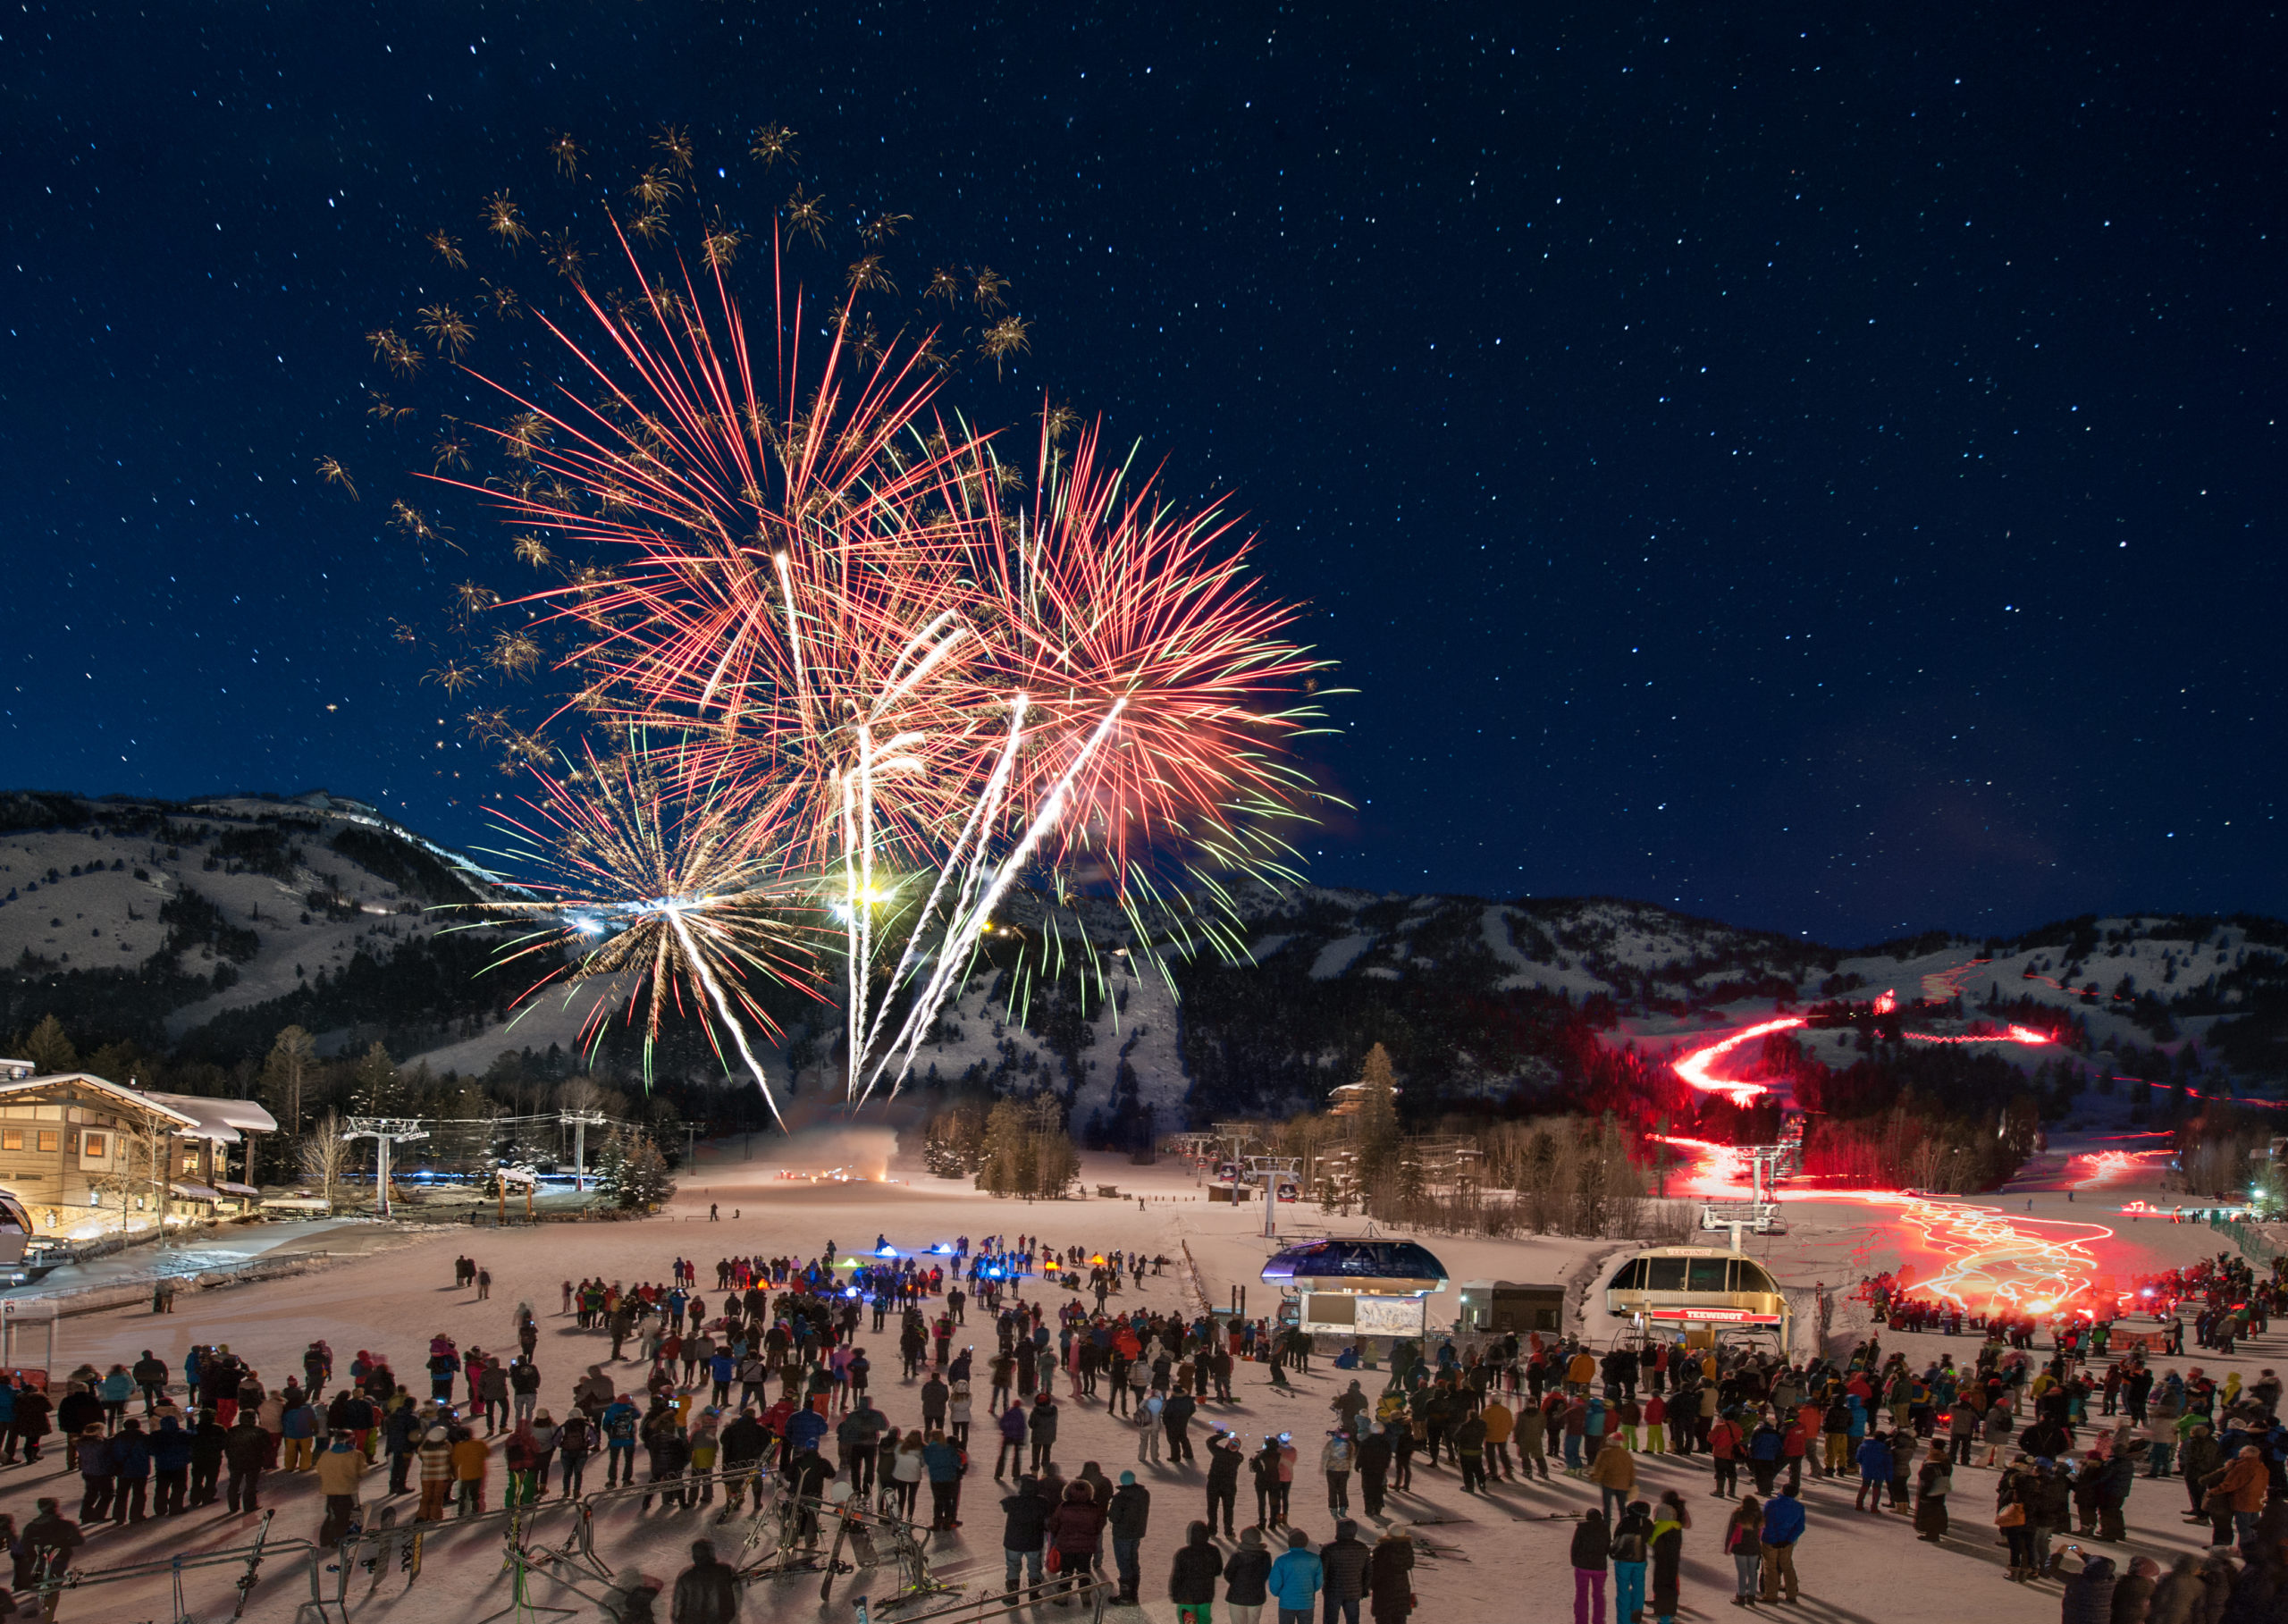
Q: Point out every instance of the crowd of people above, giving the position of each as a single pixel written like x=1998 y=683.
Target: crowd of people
x=2228 y=1300
x=769 y=1377
x=771 y=1380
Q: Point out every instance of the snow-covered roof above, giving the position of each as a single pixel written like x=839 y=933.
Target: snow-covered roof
x=102 y=1085
x=195 y=1116
x=222 y=1121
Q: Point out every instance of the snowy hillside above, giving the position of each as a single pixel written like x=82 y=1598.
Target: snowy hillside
x=208 y=925
x=212 y=907
x=2134 y=978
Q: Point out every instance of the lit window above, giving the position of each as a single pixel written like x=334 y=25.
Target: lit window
x=49 y=1139
x=91 y=1144
x=12 y=1138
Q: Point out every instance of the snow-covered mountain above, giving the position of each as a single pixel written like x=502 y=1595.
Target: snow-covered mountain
x=190 y=912
x=211 y=922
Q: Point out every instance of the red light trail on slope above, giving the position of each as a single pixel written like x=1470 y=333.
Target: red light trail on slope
x=1990 y=1262
x=2016 y=1034
x=1713 y=1172
x=2102 y=1168
x=1694 y=1068
x=1981 y=1259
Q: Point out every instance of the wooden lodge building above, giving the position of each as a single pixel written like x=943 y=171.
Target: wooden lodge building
x=88 y=1156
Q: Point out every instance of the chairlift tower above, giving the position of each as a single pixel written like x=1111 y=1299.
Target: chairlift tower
x=384 y=1131
x=1271 y=1169
x=580 y=1122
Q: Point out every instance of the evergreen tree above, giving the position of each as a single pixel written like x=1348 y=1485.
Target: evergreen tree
x=1376 y=1122
x=1005 y=1167
x=374 y=1081
x=48 y=1050
x=632 y=1171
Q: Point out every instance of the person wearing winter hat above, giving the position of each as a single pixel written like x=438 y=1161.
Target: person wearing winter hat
x=1191 y=1579
x=1295 y=1579
x=1127 y=1513
x=436 y=1454
x=1343 y=1563
x=1246 y=1578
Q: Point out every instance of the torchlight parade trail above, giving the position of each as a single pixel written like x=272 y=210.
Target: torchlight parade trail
x=1990 y=1262
x=1694 y=1067
x=1980 y=1258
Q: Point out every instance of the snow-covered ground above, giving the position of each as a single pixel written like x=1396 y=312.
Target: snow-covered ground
x=1498 y=1557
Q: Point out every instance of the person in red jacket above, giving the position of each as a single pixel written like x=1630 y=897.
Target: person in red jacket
x=1074 y=1528
x=1793 y=1442
x=1656 y=1425
x=1725 y=1446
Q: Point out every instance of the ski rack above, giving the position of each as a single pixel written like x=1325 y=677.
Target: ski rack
x=779 y=1521
x=387 y=1545
x=994 y=1604
x=915 y=1581
x=248 y=1556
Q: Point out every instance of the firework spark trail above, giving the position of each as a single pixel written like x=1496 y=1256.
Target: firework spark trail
x=656 y=879
x=968 y=926
x=723 y=1006
x=958 y=862
x=1108 y=593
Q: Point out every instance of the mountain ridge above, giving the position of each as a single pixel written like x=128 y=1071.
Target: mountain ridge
x=203 y=924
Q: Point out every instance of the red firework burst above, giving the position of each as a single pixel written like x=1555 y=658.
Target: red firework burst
x=1109 y=602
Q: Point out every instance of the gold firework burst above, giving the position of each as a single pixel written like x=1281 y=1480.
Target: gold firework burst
x=655 y=188
x=390 y=348
x=674 y=142
x=770 y=144
x=808 y=215
x=721 y=244
x=334 y=473
x=1005 y=339
x=505 y=220
x=447 y=328
x=563 y=255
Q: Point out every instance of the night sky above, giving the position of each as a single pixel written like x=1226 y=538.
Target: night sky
x=1825 y=476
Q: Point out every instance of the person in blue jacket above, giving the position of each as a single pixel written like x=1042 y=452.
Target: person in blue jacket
x=169 y=1467
x=943 y=1463
x=1875 y=1471
x=1295 y=1579
x=618 y=1424
x=130 y=1465
x=1783 y=1525
x=804 y=1429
